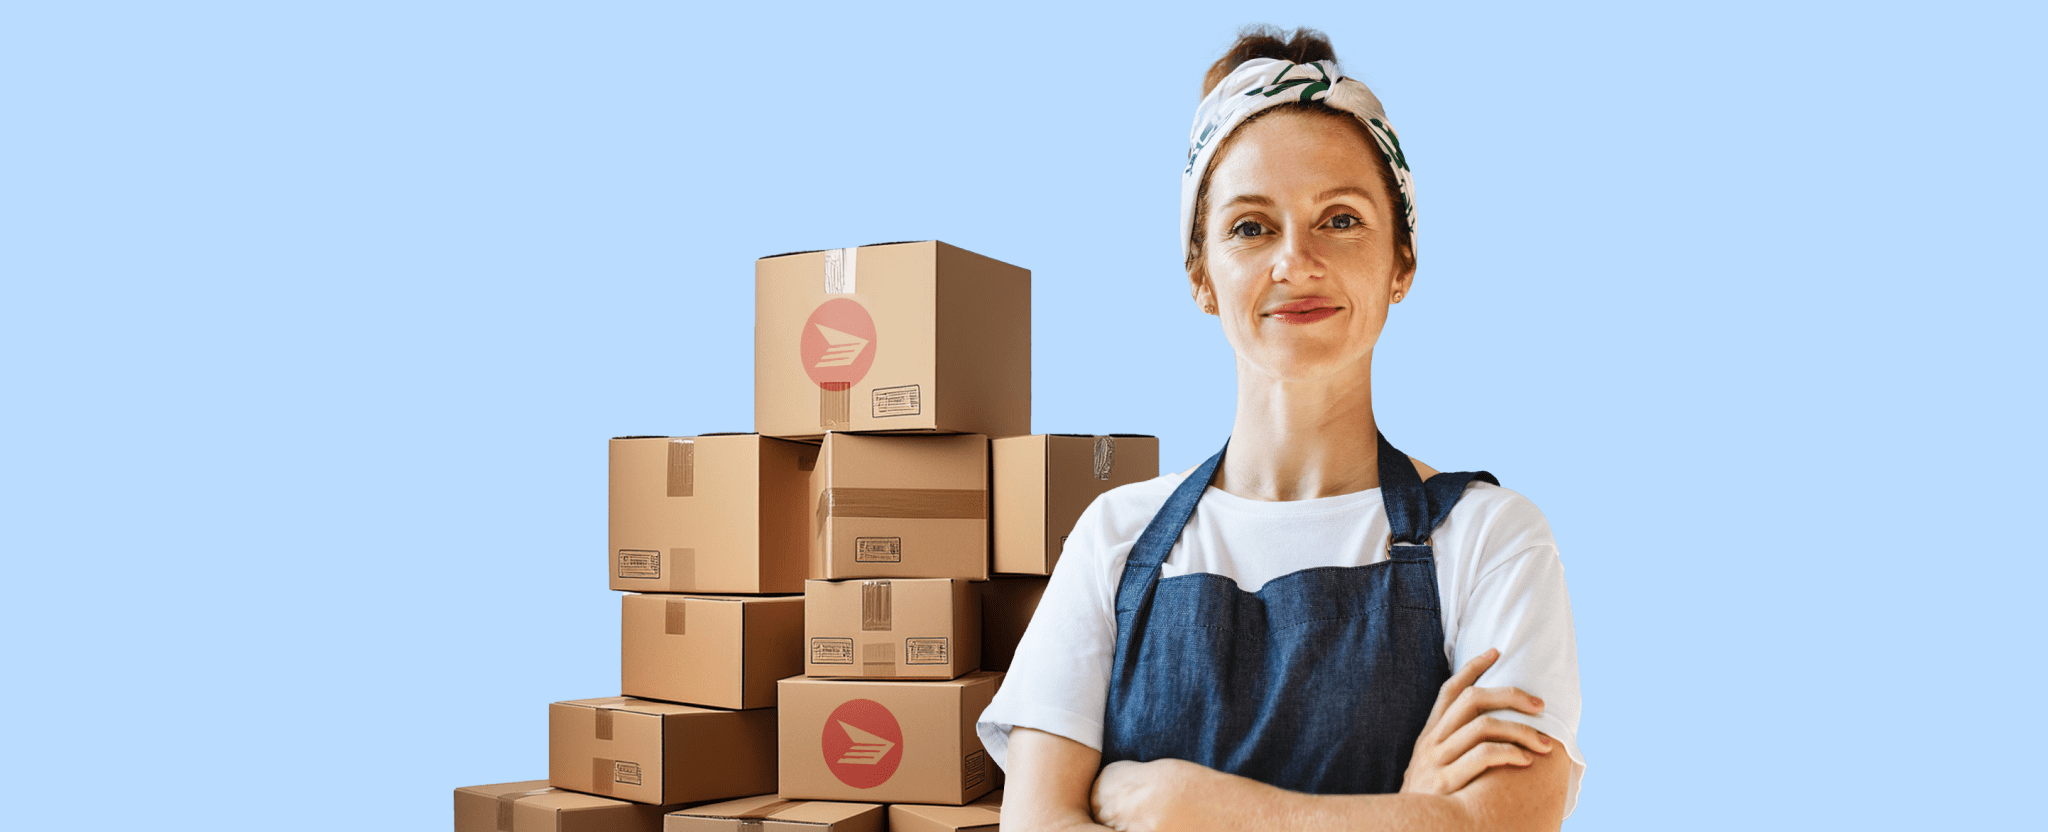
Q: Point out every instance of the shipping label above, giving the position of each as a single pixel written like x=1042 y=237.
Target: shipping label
x=639 y=563
x=831 y=651
x=927 y=650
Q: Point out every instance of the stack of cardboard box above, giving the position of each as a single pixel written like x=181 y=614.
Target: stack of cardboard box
x=872 y=488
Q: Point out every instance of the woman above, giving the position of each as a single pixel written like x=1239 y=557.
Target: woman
x=1266 y=641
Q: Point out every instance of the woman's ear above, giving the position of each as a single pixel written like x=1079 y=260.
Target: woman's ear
x=1404 y=280
x=1205 y=297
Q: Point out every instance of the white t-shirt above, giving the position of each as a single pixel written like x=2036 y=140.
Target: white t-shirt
x=1498 y=572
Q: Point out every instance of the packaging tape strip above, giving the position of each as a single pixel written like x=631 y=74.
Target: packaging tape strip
x=1105 y=456
x=604 y=724
x=676 y=618
x=682 y=465
x=601 y=773
x=505 y=802
x=766 y=810
x=835 y=406
x=682 y=564
x=877 y=608
x=842 y=271
x=903 y=503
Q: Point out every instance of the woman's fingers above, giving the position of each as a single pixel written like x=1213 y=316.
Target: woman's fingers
x=1457 y=684
x=1482 y=757
x=1489 y=729
x=1471 y=702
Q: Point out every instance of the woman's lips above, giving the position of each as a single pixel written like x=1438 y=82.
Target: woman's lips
x=1306 y=311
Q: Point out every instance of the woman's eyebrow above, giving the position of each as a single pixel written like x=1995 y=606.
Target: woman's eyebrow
x=1347 y=190
x=1326 y=196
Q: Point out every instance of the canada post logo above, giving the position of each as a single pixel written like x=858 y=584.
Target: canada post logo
x=838 y=344
x=862 y=743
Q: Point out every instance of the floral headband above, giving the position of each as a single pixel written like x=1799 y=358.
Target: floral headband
x=1265 y=82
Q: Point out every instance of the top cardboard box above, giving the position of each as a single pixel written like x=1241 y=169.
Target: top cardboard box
x=891 y=337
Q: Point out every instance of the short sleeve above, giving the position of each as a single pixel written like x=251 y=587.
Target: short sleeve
x=1520 y=605
x=1059 y=680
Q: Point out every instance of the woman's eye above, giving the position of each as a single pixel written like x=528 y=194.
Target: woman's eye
x=1247 y=228
x=1343 y=221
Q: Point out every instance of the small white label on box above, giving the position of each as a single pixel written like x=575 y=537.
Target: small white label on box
x=878 y=550
x=897 y=401
x=639 y=563
x=831 y=651
x=927 y=651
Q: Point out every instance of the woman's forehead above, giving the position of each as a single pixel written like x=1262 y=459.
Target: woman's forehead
x=1290 y=157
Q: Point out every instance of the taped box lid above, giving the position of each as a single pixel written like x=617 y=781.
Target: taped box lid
x=982 y=815
x=769 y=812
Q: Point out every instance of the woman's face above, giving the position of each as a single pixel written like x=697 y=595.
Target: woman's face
x=1299 y=246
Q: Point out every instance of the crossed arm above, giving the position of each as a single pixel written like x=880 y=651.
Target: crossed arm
x=1053 y=778
x=1468 y=773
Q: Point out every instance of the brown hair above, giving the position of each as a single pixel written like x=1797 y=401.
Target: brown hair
x=1305 y=45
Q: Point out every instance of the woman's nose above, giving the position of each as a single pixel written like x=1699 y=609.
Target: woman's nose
x=1299 y=257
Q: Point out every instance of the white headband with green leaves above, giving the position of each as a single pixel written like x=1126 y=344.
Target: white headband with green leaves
x=1266 y=82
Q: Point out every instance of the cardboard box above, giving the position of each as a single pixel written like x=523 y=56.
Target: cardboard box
x=1006 y=608
x=891 y=337
x=900 y=507
x=771 y=813
x=532 y=806
x=657 y=752
x=711 y=513
x=885 y=742
x=902 y=628
x=717 y=651
x=980 y=816
x=1043 y=483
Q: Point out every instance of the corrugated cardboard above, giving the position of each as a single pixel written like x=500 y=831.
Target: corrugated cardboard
x=1043 y=483
x=657 y=752
x=901 y=628
x=711 y=513
x=770 y=813
x=900 y=507
x=532 y=806
x=1006 y=608
x=983 y=815
x=716 y=651
x=891 y=337
x=885 y=742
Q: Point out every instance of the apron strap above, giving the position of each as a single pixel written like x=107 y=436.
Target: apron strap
x=1142 y=567
x=1407 y=503
x=1416 y=508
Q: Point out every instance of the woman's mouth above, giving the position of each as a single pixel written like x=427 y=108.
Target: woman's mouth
x=1304 y=311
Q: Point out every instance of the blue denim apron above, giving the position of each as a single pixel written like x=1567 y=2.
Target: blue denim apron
x=1319 y=682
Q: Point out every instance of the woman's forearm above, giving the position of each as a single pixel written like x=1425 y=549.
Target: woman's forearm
x=1525 y=798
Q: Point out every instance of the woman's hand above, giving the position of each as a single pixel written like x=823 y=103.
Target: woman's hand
x=1457 y=744
x=1130 y=796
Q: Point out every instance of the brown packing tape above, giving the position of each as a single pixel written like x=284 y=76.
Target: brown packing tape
x=766 y=809
x=682 y=564
x=877 y=609
x=903 y=503
x=835 y=408
x=878 y=659
x=601 y=773
x=604 y=724
x=505 y=802
x=682 y=467
x=1105 y=456
x=676 y=618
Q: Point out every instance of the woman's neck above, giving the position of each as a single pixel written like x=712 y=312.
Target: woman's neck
x=1302 y=440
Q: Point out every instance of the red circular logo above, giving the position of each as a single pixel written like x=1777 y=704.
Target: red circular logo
x=838 y=344
x=862 y=743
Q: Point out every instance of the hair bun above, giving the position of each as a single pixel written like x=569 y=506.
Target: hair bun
x=1305 y=45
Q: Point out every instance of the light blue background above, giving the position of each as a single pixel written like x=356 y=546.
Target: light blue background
x=316 y=318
